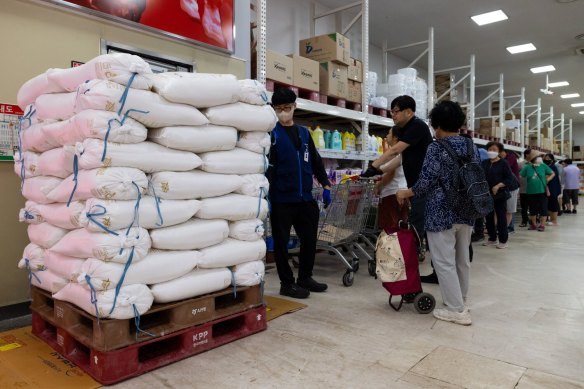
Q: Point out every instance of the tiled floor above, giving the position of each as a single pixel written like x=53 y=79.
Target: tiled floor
x=527 y=306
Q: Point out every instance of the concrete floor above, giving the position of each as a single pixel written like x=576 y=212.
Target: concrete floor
x=527 y=306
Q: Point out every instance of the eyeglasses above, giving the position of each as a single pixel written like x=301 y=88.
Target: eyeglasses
x=285 y=108
x=395 y=111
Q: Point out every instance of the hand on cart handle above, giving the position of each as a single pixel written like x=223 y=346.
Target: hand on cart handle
x=326 y=197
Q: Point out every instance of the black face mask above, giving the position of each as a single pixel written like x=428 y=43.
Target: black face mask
x=547 y=162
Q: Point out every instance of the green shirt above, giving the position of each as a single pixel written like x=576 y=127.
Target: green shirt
x=536 y=177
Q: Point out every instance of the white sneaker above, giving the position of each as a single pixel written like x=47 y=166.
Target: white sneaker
x=490 y=243
x=462 y=318
x=502 y=246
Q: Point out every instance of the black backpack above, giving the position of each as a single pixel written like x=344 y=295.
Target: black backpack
x=471 y=198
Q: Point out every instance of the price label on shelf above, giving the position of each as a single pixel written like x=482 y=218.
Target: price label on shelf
x=10 y=116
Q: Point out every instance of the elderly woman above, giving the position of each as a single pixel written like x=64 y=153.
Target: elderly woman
x=538 y=175
x=448 y=234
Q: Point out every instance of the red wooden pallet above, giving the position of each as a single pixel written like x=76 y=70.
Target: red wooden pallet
x=354 y=106
x=110 y=367
x=378 y=111
x=307 y=94
x=160 y=320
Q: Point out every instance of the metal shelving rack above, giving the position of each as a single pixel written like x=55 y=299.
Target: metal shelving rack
x=360 y=120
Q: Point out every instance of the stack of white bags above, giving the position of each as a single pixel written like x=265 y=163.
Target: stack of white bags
x=142 y=188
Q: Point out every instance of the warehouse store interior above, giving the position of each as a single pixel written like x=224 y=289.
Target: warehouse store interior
x=141 y=235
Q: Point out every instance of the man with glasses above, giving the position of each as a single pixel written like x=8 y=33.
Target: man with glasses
x=293 y=162
x=414 y=138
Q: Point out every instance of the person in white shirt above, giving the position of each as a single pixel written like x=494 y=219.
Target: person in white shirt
x=390 y=212
x=571 y=186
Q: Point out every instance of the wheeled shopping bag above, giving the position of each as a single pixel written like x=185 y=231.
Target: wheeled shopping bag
x=397 y=268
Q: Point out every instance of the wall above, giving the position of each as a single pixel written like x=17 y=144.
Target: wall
x=41 y=37
x=578 y=134
x=289 y=22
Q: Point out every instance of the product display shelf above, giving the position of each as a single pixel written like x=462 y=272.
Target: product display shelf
x=353 y=155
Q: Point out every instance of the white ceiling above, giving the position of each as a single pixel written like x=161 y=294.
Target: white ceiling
x=550 y=25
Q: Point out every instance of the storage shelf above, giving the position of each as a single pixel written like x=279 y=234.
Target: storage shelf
x=352 y=155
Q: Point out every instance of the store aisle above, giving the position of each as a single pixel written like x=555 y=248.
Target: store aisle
x=527 y=306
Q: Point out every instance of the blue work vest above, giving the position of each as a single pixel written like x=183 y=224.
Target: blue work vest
x=291 y=181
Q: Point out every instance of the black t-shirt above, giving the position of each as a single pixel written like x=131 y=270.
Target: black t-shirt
x=417 y=135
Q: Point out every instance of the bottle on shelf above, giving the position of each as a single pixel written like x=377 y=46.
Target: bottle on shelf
x=379 y=145
x=359 y=142
x=346 y=141
x=328 y=139
x=353 y=141
x=337 y=142
x=372 y=144
x=318 y=138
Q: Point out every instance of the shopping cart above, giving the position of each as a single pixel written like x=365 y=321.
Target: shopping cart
x=340 y=224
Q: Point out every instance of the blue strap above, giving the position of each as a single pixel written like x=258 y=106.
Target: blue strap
x=136 y=219
x=30 y=273
x=75 y=171
x=28 y=215
x=106 y=137
x=157 y=201
x=128 y=113
x=93 y=295
x=233 y=283
x=121 y=280
x=92 y=215
x=137 y=322
x=124 y=96
x=28 y=117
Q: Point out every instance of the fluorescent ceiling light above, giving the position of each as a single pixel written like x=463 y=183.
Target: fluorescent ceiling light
x=570 y=95
x=581 y=112
x=578 y=105
x=521 y=48
x=558 y=84
x=543 y=69
x=489 y=17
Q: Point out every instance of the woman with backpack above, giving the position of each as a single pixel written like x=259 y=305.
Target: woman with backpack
x=448 y=232
x=502 y=182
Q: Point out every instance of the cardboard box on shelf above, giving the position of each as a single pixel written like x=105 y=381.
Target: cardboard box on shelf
x=323 y=48
x=279 y=67
x=577 y=155
x=354 y=92
x=306 y=73
x=333 y=79
x=356 y=70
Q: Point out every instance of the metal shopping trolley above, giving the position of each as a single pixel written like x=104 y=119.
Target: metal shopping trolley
x=340 y=224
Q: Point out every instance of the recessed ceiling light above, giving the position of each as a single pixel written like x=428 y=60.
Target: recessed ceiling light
x=570 y=95
x=543 y=69
x=558 y=84
x=578 y=105
x=521 y=48
x=489 y=17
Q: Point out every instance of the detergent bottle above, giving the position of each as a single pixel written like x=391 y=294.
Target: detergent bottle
x=372 y=143
x=328 y=137
x=353 y=141
x=337 y=142
x=318 y=138
x=359 y=143
x=346 y=141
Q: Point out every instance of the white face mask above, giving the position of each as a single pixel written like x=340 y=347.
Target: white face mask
x=284 y=116
x=492 y=154
x=538 y=161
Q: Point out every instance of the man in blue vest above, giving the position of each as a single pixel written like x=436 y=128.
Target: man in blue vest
x=293 y=162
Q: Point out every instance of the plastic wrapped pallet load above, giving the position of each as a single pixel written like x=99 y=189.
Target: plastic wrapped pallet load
x=232 y=252
x=157 y=267
x=45 y=235
x=131 y=299
x=193 y=185
x=199 y=139
x=112 y=183
x=94 y=124
x=233 y=207
x=249 y=273
x=81 y=243
x=146 y=156
x=99 y=214
x=244 y=117
x=192 y=235
x=195 y=283
x=201 y=90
